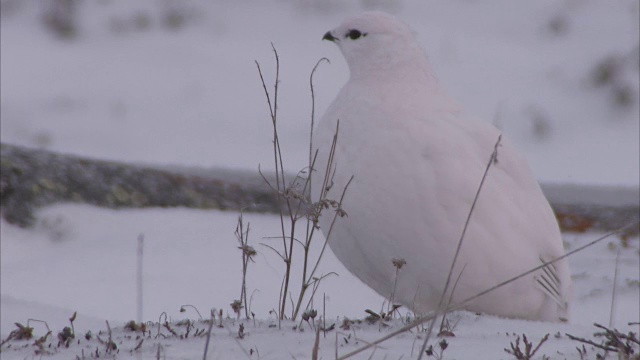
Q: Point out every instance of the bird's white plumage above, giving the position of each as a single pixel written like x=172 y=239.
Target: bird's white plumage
x=417 y=161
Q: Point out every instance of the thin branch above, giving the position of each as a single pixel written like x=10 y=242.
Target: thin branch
x=586 y=341
x=326 y=240
x=279 y=168
x=613 y=291
x=455 y=284
x=274 y=250
x=313 y=108
x=492 y=159
x=206 y=344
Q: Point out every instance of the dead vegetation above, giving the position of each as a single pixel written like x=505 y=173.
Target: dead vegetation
x=299 y=215
x=608 y=341
x=529 y=349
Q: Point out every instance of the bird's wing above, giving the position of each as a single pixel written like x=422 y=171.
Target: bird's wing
x=549 y=282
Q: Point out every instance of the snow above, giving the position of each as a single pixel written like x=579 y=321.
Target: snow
x=197 y=255
x=192 y=97
x=81 y=258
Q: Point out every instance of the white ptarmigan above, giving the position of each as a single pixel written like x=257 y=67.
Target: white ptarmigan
x=417 y=161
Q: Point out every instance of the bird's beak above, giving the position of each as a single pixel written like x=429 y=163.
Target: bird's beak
x=329 y=36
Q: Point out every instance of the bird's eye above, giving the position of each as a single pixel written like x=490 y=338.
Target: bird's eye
x=354 y=34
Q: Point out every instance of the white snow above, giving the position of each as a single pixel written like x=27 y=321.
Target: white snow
x=192 y=97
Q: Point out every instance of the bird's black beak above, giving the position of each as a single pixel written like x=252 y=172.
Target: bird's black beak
x=329 y=36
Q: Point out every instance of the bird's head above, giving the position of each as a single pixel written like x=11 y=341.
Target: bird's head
x=376 y=42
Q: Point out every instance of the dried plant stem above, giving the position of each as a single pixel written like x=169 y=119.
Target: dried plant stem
x=398 y=264
x=455 y=284
x=280 y=181
x=613 y=291
x=248 y=252
x=313 y=112
x=441 y=303
x=182 y=308
x=206 y=344
x=316 y=345
x=307 y=279
x=625 y=344
x=139 y=279
x=323 y=196
x=492 y=159
x=310 y=278
x=296 y=202
x=393 y=292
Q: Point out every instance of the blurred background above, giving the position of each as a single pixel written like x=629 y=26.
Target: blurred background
x=174 y=81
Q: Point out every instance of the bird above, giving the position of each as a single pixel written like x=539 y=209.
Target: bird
x=405 y=169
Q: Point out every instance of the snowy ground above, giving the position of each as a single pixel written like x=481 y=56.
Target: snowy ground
x=191 y=96
x=85 y=261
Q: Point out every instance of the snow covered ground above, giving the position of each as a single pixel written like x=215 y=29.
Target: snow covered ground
x=84 y=259
x=142 y=91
